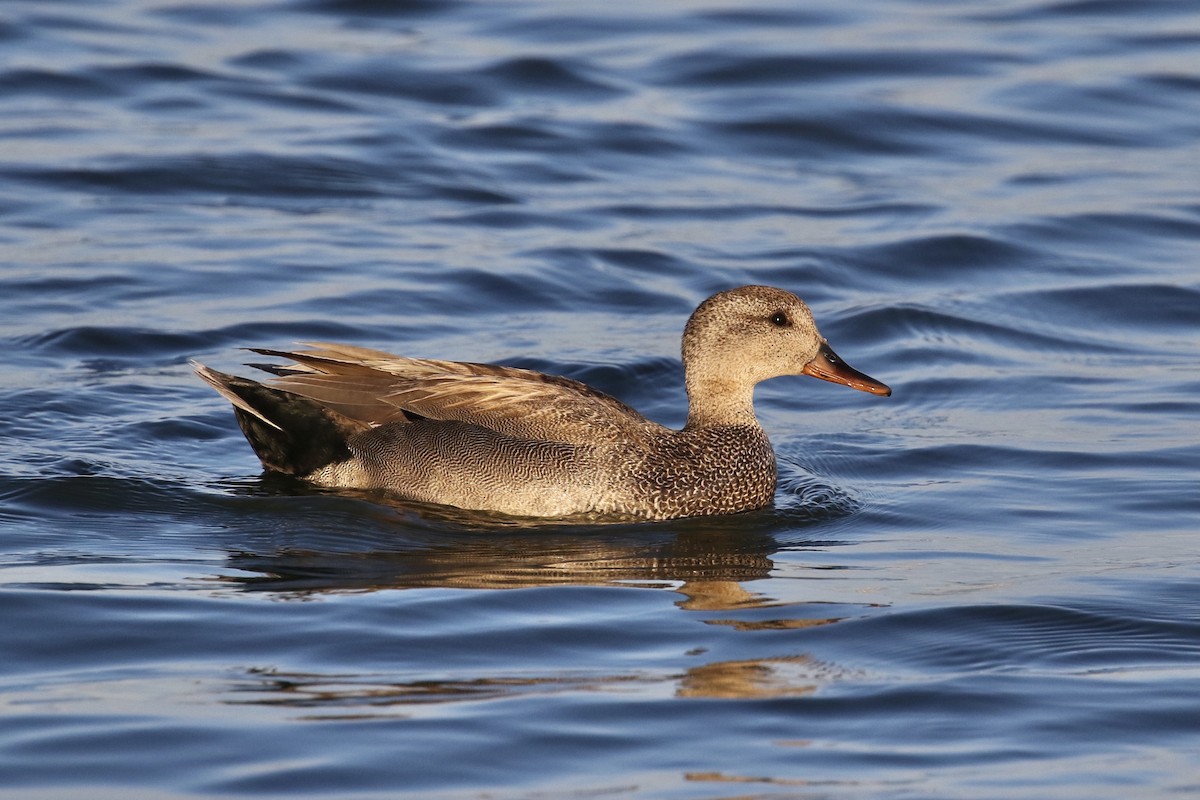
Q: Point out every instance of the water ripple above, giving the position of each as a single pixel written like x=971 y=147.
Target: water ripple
x=706 y=69
x=1031 y=638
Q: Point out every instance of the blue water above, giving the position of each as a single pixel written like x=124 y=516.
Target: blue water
x=985 y=586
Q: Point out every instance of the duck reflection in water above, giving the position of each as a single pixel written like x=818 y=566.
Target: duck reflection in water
x=337 y=543
x=711 y=562
x=340 y=696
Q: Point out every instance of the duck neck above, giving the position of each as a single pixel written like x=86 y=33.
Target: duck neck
x=718 y=402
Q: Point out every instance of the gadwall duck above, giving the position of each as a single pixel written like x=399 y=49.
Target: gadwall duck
x=518 y=442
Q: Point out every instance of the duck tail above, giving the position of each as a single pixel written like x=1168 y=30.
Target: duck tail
x=289 y=433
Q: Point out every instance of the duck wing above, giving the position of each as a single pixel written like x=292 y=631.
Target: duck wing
x=377 y=387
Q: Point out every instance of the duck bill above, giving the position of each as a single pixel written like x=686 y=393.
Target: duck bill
x=829 y=367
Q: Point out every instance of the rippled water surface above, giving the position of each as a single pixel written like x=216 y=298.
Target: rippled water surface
x=985 y=586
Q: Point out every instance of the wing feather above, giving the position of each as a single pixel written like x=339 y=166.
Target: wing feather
x=377 y=387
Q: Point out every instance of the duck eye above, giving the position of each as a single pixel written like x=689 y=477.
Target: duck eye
x=780 y=320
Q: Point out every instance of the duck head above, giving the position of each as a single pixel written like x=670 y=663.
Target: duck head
x=742 y=336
